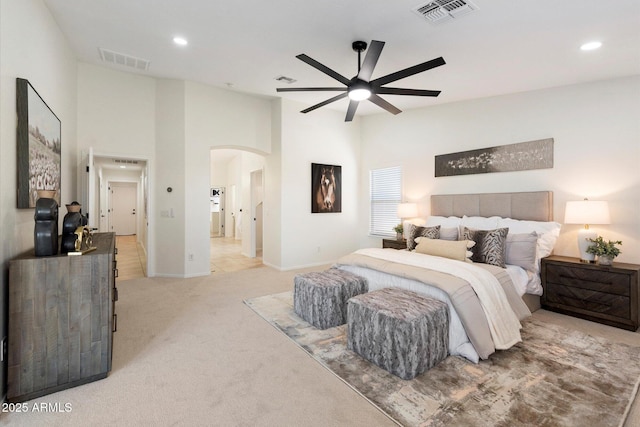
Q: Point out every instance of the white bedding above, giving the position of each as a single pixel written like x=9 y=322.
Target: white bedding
x=524 y=282
x=503 y=323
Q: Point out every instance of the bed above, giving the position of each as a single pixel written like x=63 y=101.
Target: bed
x=487 y=299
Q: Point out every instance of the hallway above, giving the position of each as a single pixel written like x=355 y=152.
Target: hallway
x=131 y=258
x=225 y=257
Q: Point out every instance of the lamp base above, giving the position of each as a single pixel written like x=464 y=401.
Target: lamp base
x=583 y=244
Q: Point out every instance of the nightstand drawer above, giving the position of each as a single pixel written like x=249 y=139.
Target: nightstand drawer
x=593 y=280
x=394 y=244
x=585 y=299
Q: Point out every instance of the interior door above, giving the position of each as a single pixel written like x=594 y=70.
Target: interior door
x=87 y=192
x=122 y=212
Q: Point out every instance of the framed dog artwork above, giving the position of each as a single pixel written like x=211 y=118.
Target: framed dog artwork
x=326 y=188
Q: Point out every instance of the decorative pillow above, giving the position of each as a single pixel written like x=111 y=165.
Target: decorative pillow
x=443 y=221
x=548 y=232
x=449 y=233
x=490 y=245
x=480 y=222
x=458 y=250
x=521 y=250
x=477 y=223
x=419 y=231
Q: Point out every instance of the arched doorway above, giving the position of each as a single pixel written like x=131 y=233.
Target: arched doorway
x=239 y=245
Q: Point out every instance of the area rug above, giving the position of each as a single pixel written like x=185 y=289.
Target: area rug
x=555 y=377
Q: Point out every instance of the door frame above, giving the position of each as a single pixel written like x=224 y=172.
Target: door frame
x=88 y=177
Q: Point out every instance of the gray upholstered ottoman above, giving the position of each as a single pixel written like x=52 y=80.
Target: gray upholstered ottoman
x=399 y=330
x=321 y=298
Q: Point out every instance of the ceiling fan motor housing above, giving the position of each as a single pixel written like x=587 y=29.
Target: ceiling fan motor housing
x=359 y=46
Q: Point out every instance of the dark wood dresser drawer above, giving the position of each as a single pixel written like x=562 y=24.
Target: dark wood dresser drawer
x=595 y=280
x=596 y=302
x=604 y=294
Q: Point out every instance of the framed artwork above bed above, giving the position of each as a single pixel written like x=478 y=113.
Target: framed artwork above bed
x=504 y=158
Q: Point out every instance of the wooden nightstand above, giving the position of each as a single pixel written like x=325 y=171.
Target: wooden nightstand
x=603 y=294
x=394 y=243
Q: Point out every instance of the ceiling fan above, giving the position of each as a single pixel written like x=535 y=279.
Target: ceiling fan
x=361 y=87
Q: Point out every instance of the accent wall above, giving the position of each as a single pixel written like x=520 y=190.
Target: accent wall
x=596 y=132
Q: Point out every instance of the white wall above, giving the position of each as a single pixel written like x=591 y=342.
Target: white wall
x=170 y=213
x=117 y=117
x=272 y=212
x=43 y=57
x=596 y=129
x=215 y=118
x=116 y=112
x=173 y=124
x=323 y=137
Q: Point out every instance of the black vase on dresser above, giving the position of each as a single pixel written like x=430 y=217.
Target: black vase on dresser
x=72 y=220
x=45 y=233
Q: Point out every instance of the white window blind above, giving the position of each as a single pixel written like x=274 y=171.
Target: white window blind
x=386 y=194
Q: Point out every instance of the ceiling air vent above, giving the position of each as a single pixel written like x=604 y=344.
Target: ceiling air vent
x=123 y=59
x=285 y=79
x=437 y=11
x=126 y=161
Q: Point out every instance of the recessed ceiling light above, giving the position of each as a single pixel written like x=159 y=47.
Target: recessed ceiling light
x=180 y=41
x=123 y=167
x=591 y=45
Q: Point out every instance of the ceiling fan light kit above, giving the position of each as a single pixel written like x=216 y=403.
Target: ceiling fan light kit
x=361 y=87
x=359 y=91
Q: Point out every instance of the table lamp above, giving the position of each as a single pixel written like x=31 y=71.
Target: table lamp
x=407 y=210
x=586 y=212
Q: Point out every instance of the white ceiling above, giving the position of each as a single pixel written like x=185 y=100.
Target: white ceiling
x=506 y=46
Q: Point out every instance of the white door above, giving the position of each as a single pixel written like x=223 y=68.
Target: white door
x=87 y=178
x=122 y=212
x=256 y=196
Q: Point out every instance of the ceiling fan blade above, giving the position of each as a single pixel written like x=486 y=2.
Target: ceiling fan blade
x=408 y=72
x=384 y=104
x=400 y=91
x=328 y=71
x=323 y=103
x=370 y=60
x=351 y=111
x=310 y=89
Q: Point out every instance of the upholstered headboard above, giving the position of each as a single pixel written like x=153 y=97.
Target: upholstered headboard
x=532 y=206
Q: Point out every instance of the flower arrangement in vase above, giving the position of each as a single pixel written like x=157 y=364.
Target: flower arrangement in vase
x=399 y=229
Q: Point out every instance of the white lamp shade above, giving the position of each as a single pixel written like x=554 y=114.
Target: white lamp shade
x=587 y=212
x=407 y=210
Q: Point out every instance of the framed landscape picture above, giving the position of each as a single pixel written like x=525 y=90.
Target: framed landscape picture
x=326 y=188
x=504 y=158
x=39 y=146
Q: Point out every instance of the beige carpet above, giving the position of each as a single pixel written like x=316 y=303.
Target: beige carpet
x=189 y=353
x=556 y=376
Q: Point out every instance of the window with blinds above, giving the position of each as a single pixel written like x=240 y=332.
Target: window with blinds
x=386 y=194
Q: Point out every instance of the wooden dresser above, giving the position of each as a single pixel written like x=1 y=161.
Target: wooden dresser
x=61 y=320
x=604 y=294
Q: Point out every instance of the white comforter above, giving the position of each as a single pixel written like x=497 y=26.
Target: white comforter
x=503 y=323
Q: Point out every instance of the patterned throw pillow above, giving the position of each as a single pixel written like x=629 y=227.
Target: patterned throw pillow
x=491 y=245
x=418 y=231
